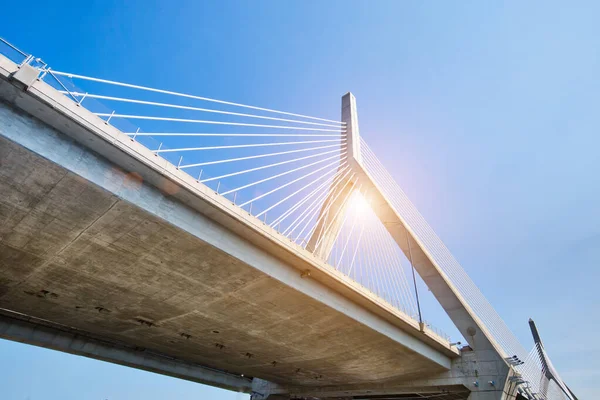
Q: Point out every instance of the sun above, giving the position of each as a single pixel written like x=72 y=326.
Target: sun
x=360 y=204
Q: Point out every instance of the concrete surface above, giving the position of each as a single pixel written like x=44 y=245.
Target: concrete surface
x=20 y=328
x=42 y=101
x=80 y=256
x=487 y=357
x=89 y=242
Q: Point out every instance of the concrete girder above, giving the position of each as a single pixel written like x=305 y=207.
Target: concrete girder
x=45 y=334
x=469 y=377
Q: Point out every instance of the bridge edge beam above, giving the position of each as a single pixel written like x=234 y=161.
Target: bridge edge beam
x=28 y=330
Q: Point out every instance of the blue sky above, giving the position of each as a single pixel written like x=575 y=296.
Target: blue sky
x=486 y=114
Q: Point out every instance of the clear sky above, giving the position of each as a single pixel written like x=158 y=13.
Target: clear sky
x=486 y=113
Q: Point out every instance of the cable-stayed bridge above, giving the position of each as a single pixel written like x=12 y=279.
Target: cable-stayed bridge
x=249 y=248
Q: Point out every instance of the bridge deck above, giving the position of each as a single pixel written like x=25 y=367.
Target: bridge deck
x=78 y=255
x=81 y=254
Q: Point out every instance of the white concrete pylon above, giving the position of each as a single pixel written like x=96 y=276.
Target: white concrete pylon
x=326 y=232
x=331 y=217
x=460 y=311
x=350 y=118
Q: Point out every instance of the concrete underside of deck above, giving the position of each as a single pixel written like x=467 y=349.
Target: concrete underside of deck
x=77 y=254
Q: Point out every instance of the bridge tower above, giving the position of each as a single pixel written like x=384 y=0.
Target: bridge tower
x=485 y=352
